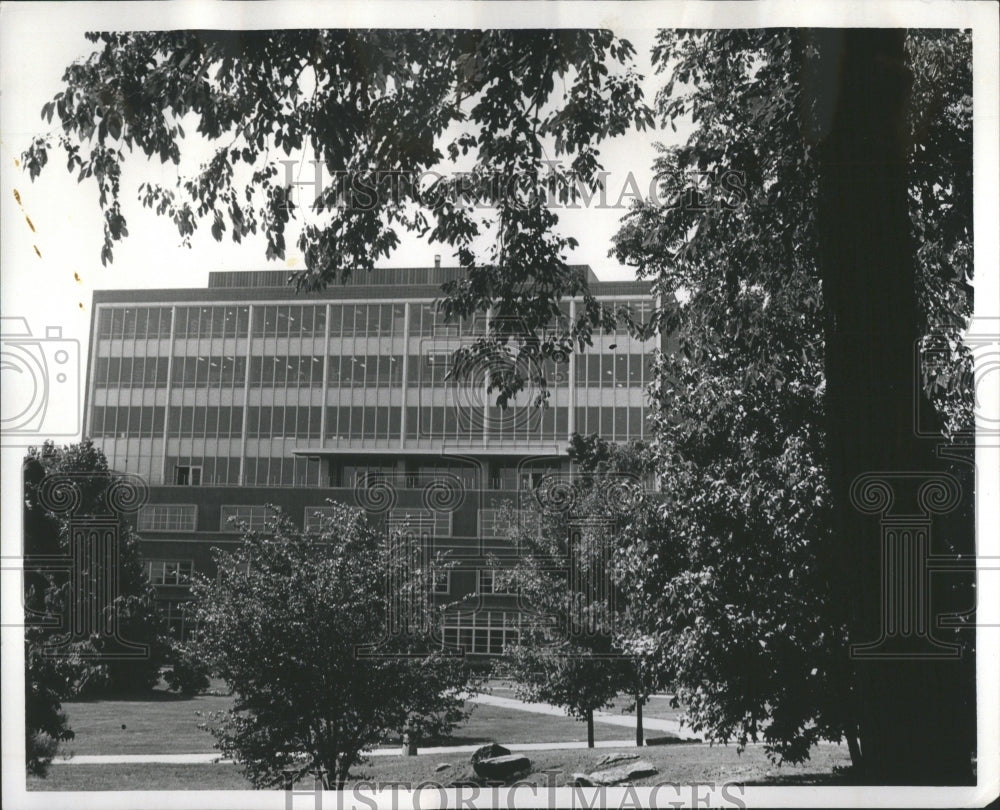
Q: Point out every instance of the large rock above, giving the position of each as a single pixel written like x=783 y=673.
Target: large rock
x=611 y=759
x=580 y=780
x=614 y=776
x=488 y=752
x=502 y=767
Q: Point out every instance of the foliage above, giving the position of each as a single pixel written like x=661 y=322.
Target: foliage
x=188 y=674
x=47 y=684
x=737 y=589
x=376 y=110
x=569 y=651
x=134 y=608
x=298 y=626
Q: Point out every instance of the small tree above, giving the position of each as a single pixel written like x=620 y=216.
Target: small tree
x=297 y=624
x=568 y=652
x=134 y=608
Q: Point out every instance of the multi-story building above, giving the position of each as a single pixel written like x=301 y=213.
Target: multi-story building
x=244 y=394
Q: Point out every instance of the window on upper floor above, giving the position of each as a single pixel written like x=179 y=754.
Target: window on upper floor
x=169 y=572
x=168 y=517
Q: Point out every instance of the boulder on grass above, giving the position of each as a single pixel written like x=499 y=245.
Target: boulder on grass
x=502 y=767
x=615 y=776
x=612 y=759
x=488 y=752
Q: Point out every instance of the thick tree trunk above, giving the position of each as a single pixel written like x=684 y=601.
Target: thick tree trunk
x=910 y=726
x=590 y=728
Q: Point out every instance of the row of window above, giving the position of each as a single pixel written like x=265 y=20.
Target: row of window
x=146 y=421
x=134 y=322
x=300 y=421
x=614 y=423
x=277 y=471
x=304 y=371
x=610 y=371
x=299 y=320
x=365 y=370
x=169 y=572
x=218 y=421
x=168 y=517
x=131 y=372
x=211 y=322
x=196 y=471
x=291 y=371
x=206 y=371
x=486 y=632
x=135 y=421
x=493 y=523
x=364 y=422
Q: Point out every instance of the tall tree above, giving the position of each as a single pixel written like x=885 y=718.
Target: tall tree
x=754 y=285
x=867 y=260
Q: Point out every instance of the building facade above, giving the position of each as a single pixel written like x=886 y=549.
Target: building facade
x=243 y=394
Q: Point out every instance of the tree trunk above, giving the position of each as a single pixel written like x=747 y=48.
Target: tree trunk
x=590 y=728
x=639 y=737
x=855 y=750
x=909 y=698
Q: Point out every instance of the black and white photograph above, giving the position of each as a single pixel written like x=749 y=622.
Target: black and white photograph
x=500 y=404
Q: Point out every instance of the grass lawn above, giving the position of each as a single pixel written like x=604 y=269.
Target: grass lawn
x=656 y=707
x=162 y=723
x=158 y=722
x=682 y=764
x=169 y=725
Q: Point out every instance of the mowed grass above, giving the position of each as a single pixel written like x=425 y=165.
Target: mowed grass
x=677 y=764
x=162 y=723
x=657 y=707
x=156 y=723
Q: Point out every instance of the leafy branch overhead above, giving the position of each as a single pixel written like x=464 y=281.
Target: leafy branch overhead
x=373 y=105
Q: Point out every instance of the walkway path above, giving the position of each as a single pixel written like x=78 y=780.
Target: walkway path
x=209 y=759
x=627 y=721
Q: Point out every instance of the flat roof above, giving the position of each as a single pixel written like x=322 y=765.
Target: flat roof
x=275 y=285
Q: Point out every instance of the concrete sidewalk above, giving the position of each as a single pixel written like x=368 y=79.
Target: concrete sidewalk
x=623 y=720
x=211 y=759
